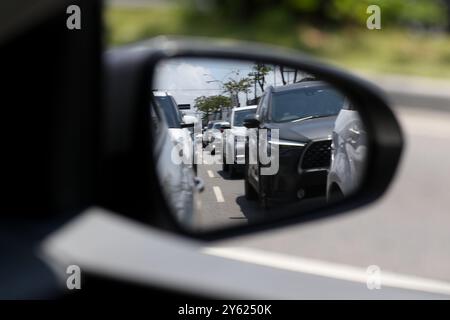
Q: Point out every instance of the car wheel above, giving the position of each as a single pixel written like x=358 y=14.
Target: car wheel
x=231 y=171
x=262 y=198
x=225 y=167
x=263 y=202
x=250 y=192
x=335 y=194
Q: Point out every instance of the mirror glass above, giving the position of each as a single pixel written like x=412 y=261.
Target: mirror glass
x=238 y=142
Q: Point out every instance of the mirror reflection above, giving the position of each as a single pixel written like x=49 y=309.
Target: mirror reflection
x=243 y=141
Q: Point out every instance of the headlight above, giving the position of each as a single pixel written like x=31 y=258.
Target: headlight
x=285 y=146
x=288 y=143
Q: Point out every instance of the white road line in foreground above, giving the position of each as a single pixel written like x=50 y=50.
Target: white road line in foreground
x=218 y=194
x=210 y=174
x=328 y=269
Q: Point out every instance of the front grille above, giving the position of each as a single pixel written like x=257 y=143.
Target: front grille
x=317 y=155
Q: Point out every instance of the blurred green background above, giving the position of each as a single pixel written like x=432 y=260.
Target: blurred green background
x=414 y=39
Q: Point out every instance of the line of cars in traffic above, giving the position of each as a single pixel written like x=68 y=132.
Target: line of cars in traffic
x=321 y=142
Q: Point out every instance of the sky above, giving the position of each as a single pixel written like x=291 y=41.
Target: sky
x=188 y=78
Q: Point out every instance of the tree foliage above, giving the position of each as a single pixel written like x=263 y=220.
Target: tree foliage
x=234 y=87
x=211 y=104
x=259 y=73
x=420 y=13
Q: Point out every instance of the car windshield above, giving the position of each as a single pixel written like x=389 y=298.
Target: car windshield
x=240 y=115
x=217 y=126
x=319 y=101
x=210 y=125
x=170 y=109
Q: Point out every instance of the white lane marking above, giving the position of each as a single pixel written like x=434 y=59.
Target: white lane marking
x=328 y=269
x=210 y=174
x=218 y=194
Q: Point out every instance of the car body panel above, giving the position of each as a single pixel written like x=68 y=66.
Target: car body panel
x=181 y=137
x=177 y=179
x=349 y=152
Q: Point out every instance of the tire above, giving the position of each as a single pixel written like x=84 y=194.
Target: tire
x=225 y=167
x=262 y=198
x=231 y=171
x=250 y=192
x=336 y=194
x=263 y=202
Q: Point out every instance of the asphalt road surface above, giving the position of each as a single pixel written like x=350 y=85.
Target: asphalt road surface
x=406 y=232
x=224 y=203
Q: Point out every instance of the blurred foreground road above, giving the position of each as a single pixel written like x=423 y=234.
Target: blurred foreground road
x=407 y=231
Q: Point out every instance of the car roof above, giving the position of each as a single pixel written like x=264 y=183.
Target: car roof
x=299 y=85
x=245 y=108
x=161 y=94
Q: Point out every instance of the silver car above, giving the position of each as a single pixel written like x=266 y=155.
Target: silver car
x=235 y=140
x=348 y=154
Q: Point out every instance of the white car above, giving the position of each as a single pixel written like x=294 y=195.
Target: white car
x=178 y=128
x=208 y=135
x=216 y=135
x=235 y=140
x=349 y=154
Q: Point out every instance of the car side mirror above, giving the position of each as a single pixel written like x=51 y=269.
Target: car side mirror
x=184 y=106
x=187 y=125
x=289 y=172
x=251 y=122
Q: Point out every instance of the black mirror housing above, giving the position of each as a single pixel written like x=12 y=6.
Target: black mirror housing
x=137 y=64
x=251 y=122
x=187 y=125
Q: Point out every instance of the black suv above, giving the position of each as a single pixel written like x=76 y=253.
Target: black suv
x=304 y=113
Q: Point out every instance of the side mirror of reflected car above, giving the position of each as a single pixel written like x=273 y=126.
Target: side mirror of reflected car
x=187 y=125
x=251 y=122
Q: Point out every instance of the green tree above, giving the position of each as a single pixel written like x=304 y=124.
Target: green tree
x=258 y=75
x=211 y=104
x=234 y=87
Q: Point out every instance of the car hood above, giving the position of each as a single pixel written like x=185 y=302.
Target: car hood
x=239 y=131
x=178 y=133
x=311 y=129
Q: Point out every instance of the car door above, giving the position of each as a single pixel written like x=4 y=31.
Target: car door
x=351 y=148
x=177 y=179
